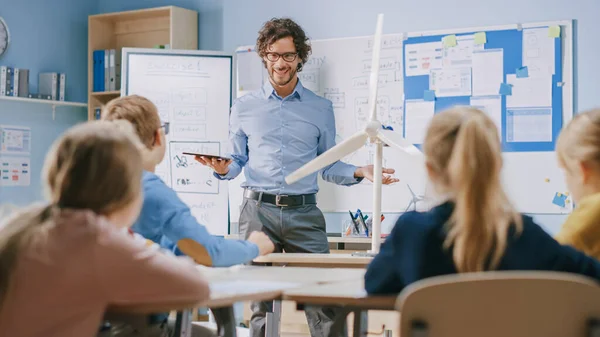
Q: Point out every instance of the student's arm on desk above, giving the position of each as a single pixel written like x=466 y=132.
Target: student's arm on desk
x=138 y=278
x=179 y=224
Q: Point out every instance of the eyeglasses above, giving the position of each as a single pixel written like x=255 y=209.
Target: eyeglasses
x=288 y=57
x=166 y=126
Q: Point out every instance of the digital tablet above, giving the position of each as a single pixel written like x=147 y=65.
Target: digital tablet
x=208 y=156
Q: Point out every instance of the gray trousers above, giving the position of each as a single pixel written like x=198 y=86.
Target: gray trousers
x=293 y=230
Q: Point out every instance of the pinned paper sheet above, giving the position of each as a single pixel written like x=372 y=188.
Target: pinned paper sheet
x=505 y=89
x=449 y=41
x=554 y=31
x=429 y=95
x=560 y=199
x=480 y=38
x=522 y=72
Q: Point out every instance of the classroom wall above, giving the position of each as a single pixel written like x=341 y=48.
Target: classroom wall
x=210 y=16
x=346 y=18
x=45 y=36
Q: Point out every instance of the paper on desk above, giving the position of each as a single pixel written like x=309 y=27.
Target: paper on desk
x=529 y=91
x=529 y=125
x=488 y=71
x=450 y=82
x=418 y=115
x=492 y=106
x=241 y=287
x=421 y=57
x=538 y=52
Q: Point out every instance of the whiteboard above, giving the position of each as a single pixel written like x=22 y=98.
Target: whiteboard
x=338 y=69
x=192 y=91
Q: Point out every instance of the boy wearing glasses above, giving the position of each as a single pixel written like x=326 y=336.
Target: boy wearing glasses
x=273 y=132
x=164 y=218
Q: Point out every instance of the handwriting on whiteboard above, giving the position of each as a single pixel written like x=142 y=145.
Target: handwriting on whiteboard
x=189 y=113
x=177 y=66
x=202 y=210
x=189 y=131
x=189 y=96
x=189 y=176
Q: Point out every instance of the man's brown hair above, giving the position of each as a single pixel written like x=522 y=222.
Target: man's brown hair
x=279 y=28
x=139 y=111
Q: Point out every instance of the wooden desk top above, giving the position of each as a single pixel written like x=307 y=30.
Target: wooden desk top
x=348 y=293
x=340 y=260
x=330 y=239
x=257 y=283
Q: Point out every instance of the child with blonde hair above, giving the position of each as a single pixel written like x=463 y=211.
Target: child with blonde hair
x=476 y=228
x=62 y=264
x=578 y=150
x=165 y=218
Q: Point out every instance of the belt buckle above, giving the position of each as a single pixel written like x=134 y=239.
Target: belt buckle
x=278 y=199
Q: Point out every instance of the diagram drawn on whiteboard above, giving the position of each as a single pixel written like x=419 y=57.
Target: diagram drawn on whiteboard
x=189 y=176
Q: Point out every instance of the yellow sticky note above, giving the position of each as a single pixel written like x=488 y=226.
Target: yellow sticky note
x=449 y=41
x=480 y=38
x=554 y=31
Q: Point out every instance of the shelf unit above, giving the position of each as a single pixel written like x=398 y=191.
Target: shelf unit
x=44 y=101
x=144 y=28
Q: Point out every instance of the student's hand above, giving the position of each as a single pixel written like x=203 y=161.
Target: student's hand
x=367 y=173
x=219 y=166
x=265 y=245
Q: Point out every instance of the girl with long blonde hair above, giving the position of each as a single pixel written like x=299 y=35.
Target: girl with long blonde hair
x=476 y=228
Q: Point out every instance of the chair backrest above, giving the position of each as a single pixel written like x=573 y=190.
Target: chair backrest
x=501 y=304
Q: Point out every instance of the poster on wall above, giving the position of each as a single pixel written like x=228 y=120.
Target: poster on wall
x=15 y=171
x=15 y=140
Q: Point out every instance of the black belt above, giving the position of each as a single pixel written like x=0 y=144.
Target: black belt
x=282 y=200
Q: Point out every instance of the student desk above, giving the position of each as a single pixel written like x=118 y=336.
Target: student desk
x=256 y=283
x=337 y=260
x=335 y=242
x=350 y=295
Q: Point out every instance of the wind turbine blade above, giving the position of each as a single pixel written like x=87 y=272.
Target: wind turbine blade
x=336 y=153
x=394 y=139
x=411 y=191
x=375 y=68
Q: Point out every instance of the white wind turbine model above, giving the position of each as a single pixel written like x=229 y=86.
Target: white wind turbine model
x=375 y=133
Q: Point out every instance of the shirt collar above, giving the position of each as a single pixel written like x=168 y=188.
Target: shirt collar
x=268 y=89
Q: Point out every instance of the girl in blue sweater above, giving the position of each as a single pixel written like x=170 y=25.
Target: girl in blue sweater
x=476 y=228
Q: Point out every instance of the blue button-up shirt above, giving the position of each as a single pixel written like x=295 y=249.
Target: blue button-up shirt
x=272 y=137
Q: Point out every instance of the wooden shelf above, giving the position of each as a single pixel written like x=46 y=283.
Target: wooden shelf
x=106 y=93
x=144 y=28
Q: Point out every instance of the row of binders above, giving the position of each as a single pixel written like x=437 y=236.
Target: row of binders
x=106 y=70
x=15 y=82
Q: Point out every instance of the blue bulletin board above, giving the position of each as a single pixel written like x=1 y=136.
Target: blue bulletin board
x=510 y=43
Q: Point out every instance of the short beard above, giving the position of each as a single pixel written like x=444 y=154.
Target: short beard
x=293 y=72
